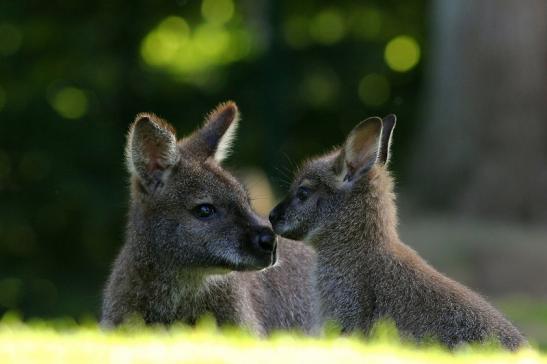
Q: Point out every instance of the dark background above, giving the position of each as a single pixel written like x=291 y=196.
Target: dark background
x=467 y=80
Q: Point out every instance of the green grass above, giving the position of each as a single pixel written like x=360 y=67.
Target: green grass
x=530 y=315
x=67 y=342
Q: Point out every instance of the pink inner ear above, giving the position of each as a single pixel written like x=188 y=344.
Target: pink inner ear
x=361 y=147
x=350 y=172
x=154 y=165
x=156 y=159
x=364 y=144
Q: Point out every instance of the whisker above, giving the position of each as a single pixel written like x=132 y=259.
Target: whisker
x=291 y=162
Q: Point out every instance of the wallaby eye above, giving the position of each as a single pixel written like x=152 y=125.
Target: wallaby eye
x=204 y=211
x=303 y=193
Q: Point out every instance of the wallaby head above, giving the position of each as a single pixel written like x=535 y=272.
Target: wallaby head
x=185 y=208
x=327 y=187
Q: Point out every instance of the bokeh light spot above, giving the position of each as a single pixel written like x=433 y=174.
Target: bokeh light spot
x=319 y=88
x=161 y=45
x=190 y=53
x=402 y=53
x=240 y=46
x=217 y=11
x=260 y=190
x=374 y=89
x=367 y=23
x=327 y=27
x=212 y=41
x=70 y=103
x=10 y=39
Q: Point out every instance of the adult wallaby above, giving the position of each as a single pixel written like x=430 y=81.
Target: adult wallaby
x=193 y=243
x=343 y=205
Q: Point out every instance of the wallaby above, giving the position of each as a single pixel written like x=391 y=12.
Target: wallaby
x=194 y=245
x=343 y=205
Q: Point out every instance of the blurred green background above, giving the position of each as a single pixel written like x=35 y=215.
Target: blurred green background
x=467 y=80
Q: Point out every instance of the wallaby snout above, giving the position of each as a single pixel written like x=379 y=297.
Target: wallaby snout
x=264 y=245
x=286 y=218
x=264 y=240
x=277 y=216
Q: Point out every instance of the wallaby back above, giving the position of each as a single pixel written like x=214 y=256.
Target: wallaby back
x=343 y=205
x=195 y=246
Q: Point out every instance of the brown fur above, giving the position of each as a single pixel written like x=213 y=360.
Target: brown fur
x=177 y=265
x=365 y=273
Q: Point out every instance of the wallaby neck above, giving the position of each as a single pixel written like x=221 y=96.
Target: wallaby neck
x=172 y=279
x=365 y=220
x=177 y=293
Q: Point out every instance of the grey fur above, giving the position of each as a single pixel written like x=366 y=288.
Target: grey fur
x=176 y=267
x=343 y=205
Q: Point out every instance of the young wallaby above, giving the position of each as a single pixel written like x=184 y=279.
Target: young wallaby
x=343 y=205
x=193 y=243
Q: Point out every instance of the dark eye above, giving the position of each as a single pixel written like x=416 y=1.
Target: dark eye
x=204 y=211
x=303 y=193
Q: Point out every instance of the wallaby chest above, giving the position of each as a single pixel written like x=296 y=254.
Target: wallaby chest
x=347 y=298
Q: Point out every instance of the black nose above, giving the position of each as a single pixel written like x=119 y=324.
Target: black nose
x=265 y=240
x=274 y=215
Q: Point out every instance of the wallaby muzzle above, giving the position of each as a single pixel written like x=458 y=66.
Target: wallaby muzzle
x=263 y=246
x=276 y=214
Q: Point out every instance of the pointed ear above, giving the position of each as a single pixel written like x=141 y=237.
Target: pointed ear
x=219 y=131
x=360 y=150
x=368 y=143
x=151 y=150
x=388 y=125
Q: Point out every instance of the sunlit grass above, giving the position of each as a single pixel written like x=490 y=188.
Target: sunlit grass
x=530 y=314
x=54 y=342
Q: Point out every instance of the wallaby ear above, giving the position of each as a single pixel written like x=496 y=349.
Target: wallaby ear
x=219 y=130
x=368 y=143
x=360 y=150
x=151 y=150
x=388 y=125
